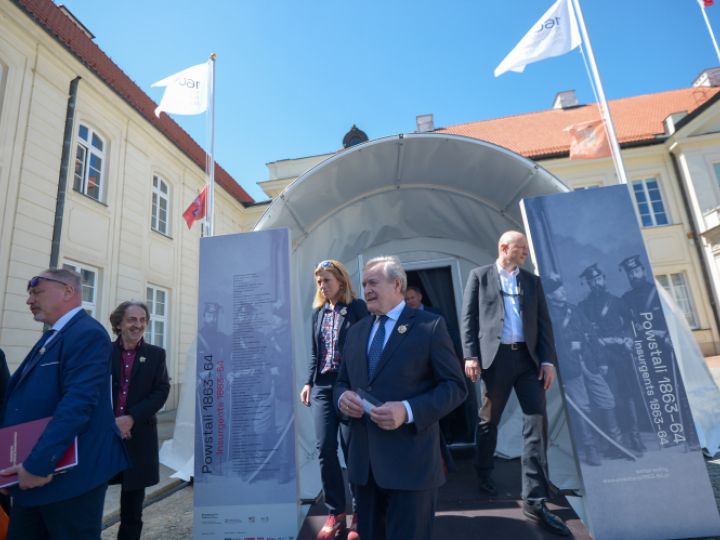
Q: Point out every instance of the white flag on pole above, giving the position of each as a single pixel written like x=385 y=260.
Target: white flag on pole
x=186 y=92
x=554 y=34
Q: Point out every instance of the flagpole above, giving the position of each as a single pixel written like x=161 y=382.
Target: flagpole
x=604 y=109
x=707 y=21
x=211 y=191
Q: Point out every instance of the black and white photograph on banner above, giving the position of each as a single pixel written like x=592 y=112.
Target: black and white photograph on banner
x=245 y=430
x=629 y=416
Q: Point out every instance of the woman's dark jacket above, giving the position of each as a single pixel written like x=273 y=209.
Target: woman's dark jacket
x=355 y=311
x=149 y=388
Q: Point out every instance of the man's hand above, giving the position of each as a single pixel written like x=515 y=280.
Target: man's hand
x=472 y=369
x=547 y=373
x=25 y=479
x=351 y=404
x=305 y=395
x=125 y=424
x=390 y=415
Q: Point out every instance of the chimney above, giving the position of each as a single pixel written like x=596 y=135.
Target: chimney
x=425 y=123
x=77 y=22
x=709 y=77
x=565 y=100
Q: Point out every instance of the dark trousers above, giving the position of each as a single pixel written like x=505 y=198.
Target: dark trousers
x=515 y=369
x=395 y=514
x=78 y=518
x=131 y=507
x=327 y=424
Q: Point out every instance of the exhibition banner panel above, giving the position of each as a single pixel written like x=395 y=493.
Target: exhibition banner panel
x=245 y=467
x=635 y=442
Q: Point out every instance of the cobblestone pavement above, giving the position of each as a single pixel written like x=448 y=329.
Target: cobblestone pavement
x=168 y=519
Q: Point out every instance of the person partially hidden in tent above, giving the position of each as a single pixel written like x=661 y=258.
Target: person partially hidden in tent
x=508 y=343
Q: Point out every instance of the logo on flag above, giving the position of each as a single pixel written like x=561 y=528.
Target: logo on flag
x=186 y=92
x=196 y=210
x=554 y=34
x=590 y=140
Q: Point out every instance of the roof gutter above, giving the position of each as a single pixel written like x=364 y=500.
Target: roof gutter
x=64 y=170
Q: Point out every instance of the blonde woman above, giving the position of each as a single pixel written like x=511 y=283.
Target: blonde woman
x=335 y=309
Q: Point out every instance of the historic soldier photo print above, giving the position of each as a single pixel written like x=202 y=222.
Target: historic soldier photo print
x=627 y=409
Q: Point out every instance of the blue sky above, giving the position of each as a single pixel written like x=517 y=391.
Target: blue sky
x=293 y=77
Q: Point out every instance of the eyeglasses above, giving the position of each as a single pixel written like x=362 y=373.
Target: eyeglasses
x=325 y=264
x=34 y=281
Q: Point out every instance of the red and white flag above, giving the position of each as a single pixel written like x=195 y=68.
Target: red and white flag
x=196 y=210
x=590 y=140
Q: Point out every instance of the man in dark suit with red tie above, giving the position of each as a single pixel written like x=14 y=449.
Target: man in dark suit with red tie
x=65 y=376
x=404 y=359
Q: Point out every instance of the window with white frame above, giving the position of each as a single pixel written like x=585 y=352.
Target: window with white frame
x=676 y=286
x=157 y=304
x=160 y=206
x=89 y=285
x=89 y=163
x=716 y=167
x=650 y=202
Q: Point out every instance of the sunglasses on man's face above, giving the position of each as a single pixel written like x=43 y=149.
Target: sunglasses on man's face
x=34 y=281
x=326 y=264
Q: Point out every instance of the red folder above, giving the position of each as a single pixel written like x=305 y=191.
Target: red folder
x=16 y=443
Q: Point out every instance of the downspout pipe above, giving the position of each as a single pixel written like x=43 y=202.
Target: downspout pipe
x=697 y=241
x=64 y=169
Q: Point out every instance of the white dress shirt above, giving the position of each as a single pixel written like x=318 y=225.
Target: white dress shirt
x=61 y=322
x=512 y=331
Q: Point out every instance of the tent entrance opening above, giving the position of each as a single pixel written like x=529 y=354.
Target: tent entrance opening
x=436 y=285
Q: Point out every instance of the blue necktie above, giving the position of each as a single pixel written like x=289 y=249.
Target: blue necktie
x=376 y=347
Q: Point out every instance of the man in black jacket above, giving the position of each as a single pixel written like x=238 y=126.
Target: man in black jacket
x=140 y=388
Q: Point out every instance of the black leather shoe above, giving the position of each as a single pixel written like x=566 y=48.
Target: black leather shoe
x=487 y=486
x=550 y=522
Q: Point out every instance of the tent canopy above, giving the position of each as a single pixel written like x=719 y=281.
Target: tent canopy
x=434 y=200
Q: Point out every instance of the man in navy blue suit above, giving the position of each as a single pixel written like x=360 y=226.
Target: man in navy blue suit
x=404 y=359
x=65 y=376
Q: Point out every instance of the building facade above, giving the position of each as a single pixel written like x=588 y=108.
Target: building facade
x=670 y=145
x=127 y=179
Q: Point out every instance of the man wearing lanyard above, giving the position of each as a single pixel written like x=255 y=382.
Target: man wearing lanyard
x=508 y=343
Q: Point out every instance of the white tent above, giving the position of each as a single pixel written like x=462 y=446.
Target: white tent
x=435 y=201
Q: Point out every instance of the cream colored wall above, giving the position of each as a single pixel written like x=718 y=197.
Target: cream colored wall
x=113 y=236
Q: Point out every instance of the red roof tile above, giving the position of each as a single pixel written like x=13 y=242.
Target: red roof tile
x=46 y=13
x=541 y=133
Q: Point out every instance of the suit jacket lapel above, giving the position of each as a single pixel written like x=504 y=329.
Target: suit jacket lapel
x=116 y=359
x=496 y=286
x=394 y=340
x=365 y=328
x=33 y=358
x=141 y=353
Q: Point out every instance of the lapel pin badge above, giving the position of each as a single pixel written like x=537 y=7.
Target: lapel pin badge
x=343 y=311
x=42 y=351
x=142 y=359
x=402 y=329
